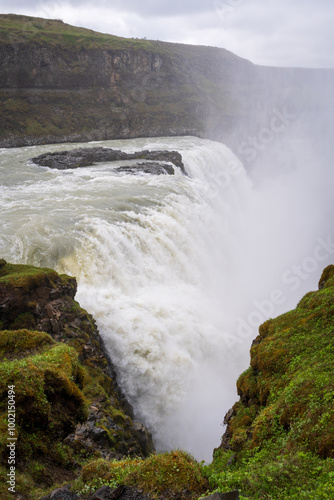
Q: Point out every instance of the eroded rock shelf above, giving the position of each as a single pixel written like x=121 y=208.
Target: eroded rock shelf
x=153 y=162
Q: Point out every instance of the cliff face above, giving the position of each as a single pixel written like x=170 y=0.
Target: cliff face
x=289 y=385
x=59 y=83
x=63 y=83
x=69 y=407
x=279 y=440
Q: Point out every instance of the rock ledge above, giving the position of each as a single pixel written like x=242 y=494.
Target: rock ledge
x=86 y=157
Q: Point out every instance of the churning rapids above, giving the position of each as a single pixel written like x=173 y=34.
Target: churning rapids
x=177 y=270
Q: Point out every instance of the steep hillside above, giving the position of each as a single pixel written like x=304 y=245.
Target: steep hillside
x=59 y=83
x=62 y=83
x=279 y=441
x=60 y=404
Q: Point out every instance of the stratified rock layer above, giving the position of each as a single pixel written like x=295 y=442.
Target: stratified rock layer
x=60 y=83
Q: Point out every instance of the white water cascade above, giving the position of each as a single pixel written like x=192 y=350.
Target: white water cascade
x=177 y=270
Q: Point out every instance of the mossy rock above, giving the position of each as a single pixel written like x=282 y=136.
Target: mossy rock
x=279 y=442
x=289 y=388
x=174 y=474
x=327 y=277
x=25 y=277
x=46 y=397
x=60 y=377
x=17 y=344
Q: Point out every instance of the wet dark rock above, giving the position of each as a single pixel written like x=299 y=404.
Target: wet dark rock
x=153 y=168
x=231 y=495
x=121 y=492
x=104 y=493
x=62 y=493
x=84 y=157
x=107 y=493
x=94 y=434
x=129 y=493
x=227 y=436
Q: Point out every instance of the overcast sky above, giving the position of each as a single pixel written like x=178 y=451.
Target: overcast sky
x=271 y=32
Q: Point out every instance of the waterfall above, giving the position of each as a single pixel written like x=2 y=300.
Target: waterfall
x=177 y=270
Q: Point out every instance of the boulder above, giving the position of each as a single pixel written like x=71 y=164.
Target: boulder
x=62 y=493
x=107 y=493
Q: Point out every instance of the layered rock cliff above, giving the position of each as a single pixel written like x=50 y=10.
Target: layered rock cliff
x=59 y=83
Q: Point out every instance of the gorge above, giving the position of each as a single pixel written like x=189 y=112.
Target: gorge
x=60 y=83
x=179 y=271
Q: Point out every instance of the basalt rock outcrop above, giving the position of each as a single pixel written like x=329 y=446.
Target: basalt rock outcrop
x=154 y=162
x=69 y=407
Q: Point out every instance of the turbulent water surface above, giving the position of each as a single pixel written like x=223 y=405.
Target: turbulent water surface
x=177 y=270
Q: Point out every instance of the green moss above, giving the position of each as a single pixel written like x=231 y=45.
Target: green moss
x=167 y=474
x=60 y=390
x=273 y=473
x=48 y=402
x=282 y=429
x=247 y=386
x=25 y=277
x=327 y=277
x=33 y=127
x=53 y=391
x=20 y=343
x=23 y=321
x=118 y=416
x=15 y=105
x=292 y=370
x=16 y=28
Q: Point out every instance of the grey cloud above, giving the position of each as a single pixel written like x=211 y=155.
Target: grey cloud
x=150 y=8
x=276 y=32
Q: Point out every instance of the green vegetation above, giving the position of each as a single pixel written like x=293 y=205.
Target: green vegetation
x=17 y=29
x=282 y=429
x=168 y=474
x=25 y=277
x=274 y=472
x=48 y=405
x=57 y=385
